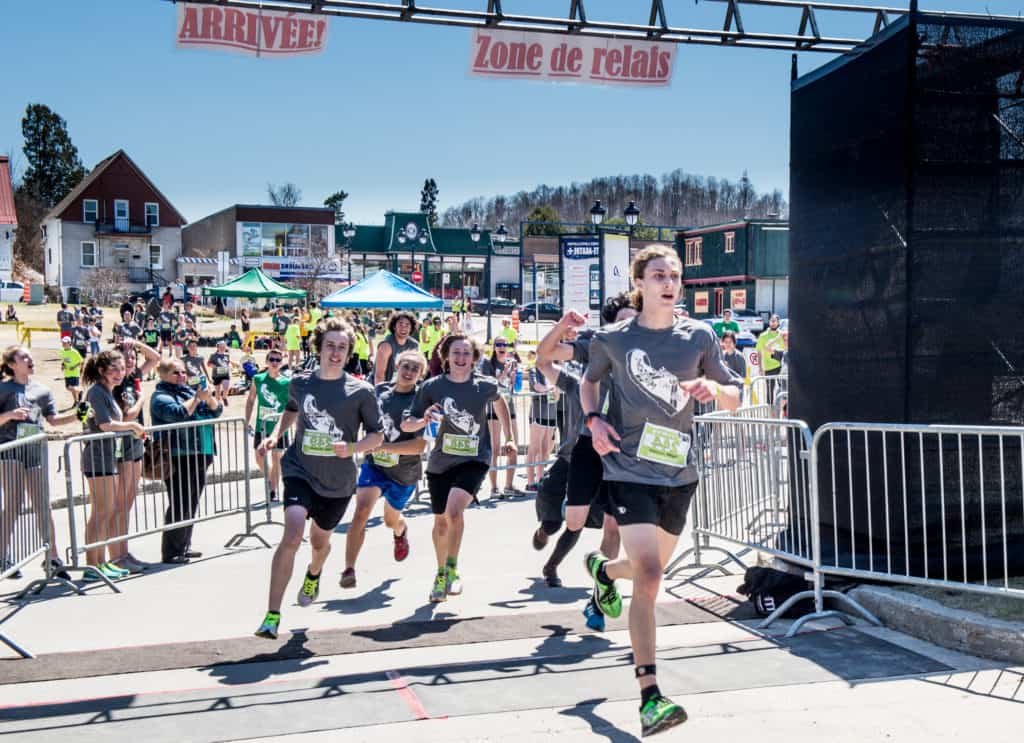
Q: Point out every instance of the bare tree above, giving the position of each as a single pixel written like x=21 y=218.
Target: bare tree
x=104 y=284
x=286 y=195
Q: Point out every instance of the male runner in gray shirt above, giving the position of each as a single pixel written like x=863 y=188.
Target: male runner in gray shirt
x=658 y=365
x=328 y=407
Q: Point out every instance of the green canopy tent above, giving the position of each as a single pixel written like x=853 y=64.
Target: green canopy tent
x=254 y=284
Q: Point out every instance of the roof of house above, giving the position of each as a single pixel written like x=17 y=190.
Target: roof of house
x=8 y=214
x=95 y=173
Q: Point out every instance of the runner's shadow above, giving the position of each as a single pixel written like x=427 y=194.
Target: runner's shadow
x=598 y=725
x=291 y=657
x=538 y=591
x=376 y=598
x=370 y=523
x=421 y=622
x=556 y=650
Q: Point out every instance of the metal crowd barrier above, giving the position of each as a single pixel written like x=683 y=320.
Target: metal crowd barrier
x=531 y=407
x=26 y=526
x=764 y=389
x=125 y=489
x=755 y=492
x=926 y=505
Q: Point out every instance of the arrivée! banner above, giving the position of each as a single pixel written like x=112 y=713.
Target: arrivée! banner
x=568 y=58
x=250 y=31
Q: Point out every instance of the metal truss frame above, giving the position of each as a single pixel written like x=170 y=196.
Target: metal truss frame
x=808 y=37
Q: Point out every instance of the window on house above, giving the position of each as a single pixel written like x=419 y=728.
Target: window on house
x=730 y=242
x=156 y=257
x=88 y=255
x=90 y=210
x=695 y=251
x=152 y=214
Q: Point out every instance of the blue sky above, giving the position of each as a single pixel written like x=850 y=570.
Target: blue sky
x=389 y=104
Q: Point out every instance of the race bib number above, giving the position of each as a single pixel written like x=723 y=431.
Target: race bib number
x=317 y=444
x=385 y=459
x=459 y=445
x=663 y=445
x=118 y=447
x=27 y=429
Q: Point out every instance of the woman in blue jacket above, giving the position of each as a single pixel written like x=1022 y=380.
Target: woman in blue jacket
x=191 y=452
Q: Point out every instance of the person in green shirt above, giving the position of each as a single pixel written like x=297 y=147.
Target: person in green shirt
x=430 y=335
x=268 y=395
x=293 y=343
x=726 y=323
x=770 y=343
x=315 y=315
x=509 y=333
x=71 y=365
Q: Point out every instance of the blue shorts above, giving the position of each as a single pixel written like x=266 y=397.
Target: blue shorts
x=395 y=494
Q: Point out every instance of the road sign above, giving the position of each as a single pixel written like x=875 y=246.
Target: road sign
x=446 y=278
x=417 y=277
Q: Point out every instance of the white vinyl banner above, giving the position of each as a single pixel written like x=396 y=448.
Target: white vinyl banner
x=615 y=258
x=569 y=58
x=250 y=31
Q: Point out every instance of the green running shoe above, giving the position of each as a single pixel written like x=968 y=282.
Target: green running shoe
x=660 y=713
x=453 y=582
x=112 y=572
x=440 y=590
x=309 y=591
x=269 y=627
x=607 y=596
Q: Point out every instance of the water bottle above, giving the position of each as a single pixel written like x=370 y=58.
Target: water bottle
x=519 y=380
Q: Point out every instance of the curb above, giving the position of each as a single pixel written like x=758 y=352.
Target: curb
x=954 y=629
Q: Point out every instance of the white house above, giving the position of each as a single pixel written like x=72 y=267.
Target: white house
x=8 y=219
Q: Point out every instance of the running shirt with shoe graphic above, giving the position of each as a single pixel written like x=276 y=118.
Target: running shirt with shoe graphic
x=221 y=363
x=100 y=456
x=196 y=370
x=405 y=469
x=34 y=396
x=271 y=400
x=166 y=321
x=330 y=411
x=647 y=407
x=462 y=435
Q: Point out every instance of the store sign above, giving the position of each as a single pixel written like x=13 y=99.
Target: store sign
x=581 y=274
x=738 y=299
x=251 y=31
x=700 y=303
x=569 y=58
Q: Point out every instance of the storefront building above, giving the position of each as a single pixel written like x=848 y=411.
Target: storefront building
x=288 y=243
x=446 y=260
x=741 y=265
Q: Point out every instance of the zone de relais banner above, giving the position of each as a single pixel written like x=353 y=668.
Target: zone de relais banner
x=252 y=31
x=570 y=58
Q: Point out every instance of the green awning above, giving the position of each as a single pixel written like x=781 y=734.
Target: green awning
x=254 y=284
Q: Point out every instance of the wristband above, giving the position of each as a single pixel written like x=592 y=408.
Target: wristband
x=589 y=416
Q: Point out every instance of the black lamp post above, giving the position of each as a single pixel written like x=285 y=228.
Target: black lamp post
x=597 y=213
x=474 y=235
x=348 y=231
x=422 y=239
x=499 y=236
x=632 y=215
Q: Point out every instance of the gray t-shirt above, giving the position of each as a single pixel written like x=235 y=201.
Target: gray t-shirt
x=329 y=412
x=569 y=383
x=410 y=345
x=405 y=469
x=736 y=363
x=196 y=370
x=463 y=435
x=647 y=407
x=221 y=363
x=34 y=396
x=581 y=355
x=103 y=408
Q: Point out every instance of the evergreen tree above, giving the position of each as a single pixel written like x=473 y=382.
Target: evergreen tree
x=428 y=200
x=337 y=202
x=54 y=167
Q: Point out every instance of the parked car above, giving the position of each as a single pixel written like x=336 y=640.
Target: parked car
x=11 y=291
x=539 y=310
x=748 y=320
x=499 y=306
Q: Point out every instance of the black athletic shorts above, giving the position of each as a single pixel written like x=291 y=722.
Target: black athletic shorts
x=325 y=512
x=551 y=492
x=468 y=476
x=282 y=442
x=586 y=474
x=492 y=416
x=166 y=335
x=637 y=503
x=70 y=382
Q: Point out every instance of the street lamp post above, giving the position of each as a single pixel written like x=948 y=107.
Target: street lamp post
x=499 y=235
x=422 y=239
x=348 y=231
x=474 y=235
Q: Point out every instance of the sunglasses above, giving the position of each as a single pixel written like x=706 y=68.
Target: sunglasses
x=501 y=345
x=274 y=360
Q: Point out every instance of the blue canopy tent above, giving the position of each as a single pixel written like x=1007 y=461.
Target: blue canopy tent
x=383 y=290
